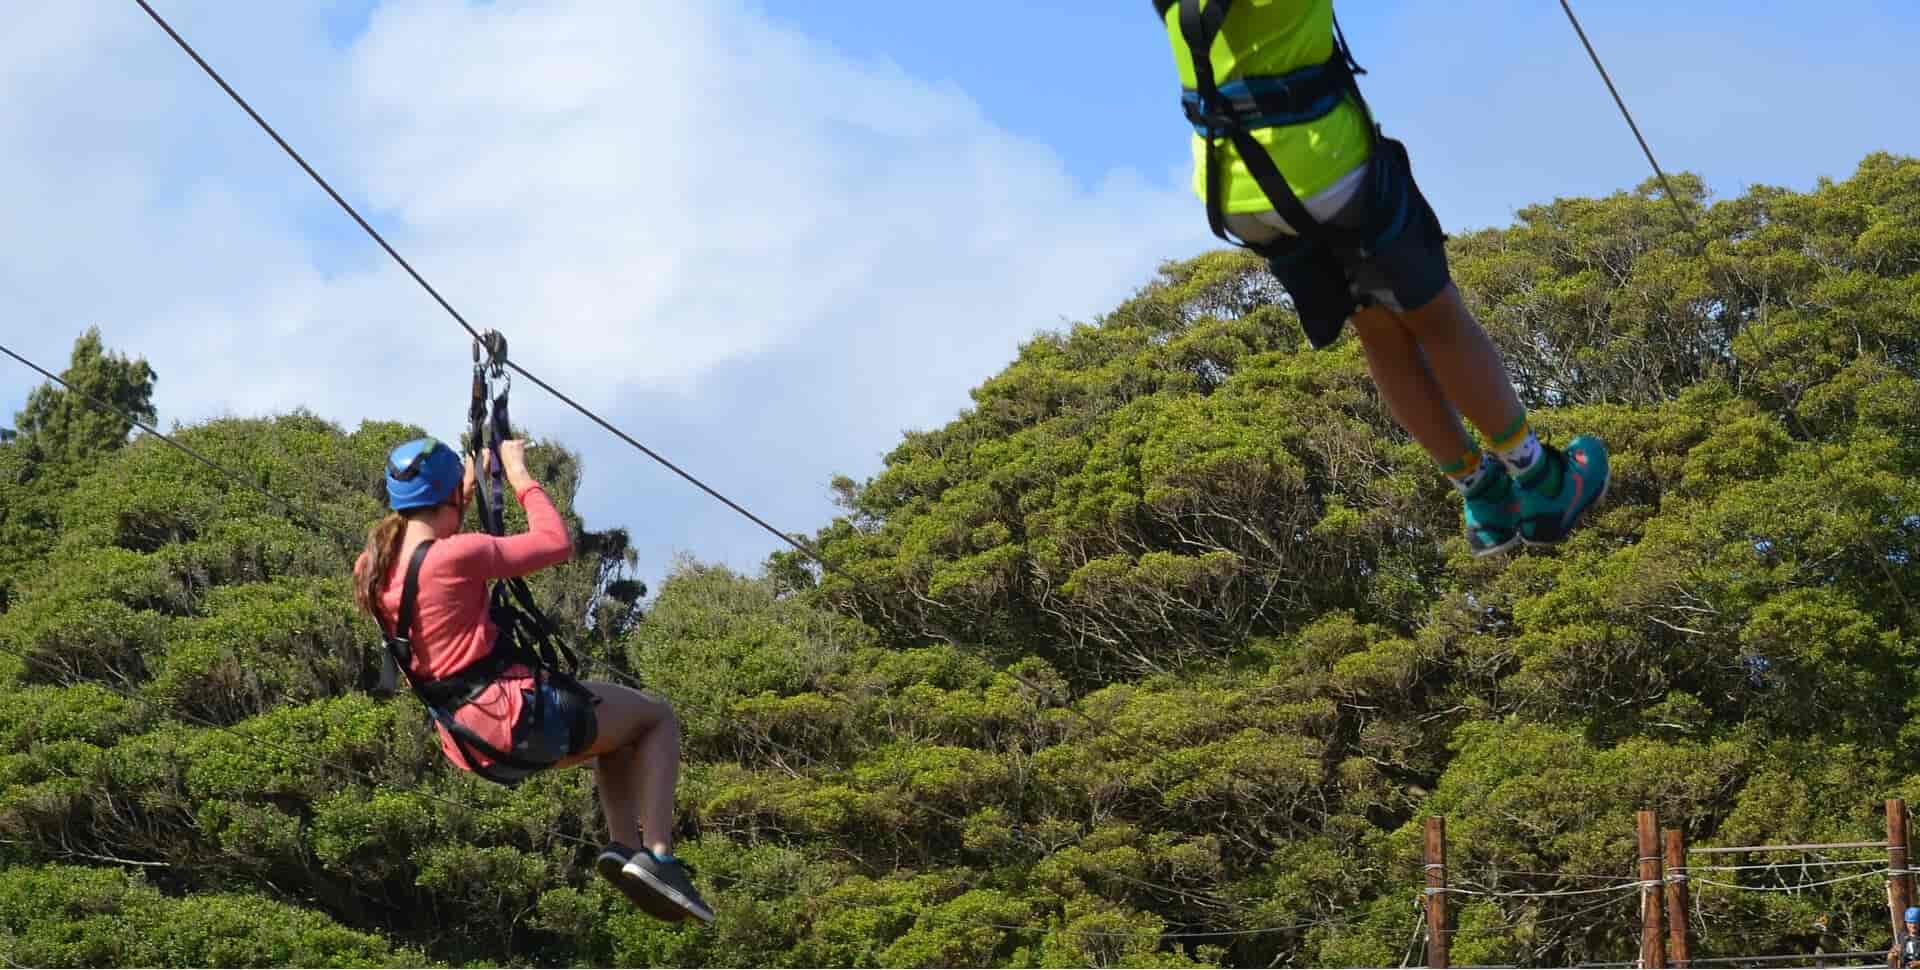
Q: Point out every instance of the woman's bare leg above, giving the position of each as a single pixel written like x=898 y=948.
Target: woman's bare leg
x=637 y=764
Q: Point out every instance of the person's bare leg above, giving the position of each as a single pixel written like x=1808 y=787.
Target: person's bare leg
x=616 y=776
x=637 y=764
x=1554 y=486
x=1466 y=366
x=1408 y=385
x=659 y=775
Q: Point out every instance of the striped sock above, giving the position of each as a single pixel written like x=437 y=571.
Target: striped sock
x=1467 y=473
x=1517 y=446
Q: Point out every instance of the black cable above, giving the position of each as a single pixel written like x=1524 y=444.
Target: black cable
x=292 y=511
x=462 y=321
x=1685 y=216
x=650 y=453
x=285 y=505
x=282 y=142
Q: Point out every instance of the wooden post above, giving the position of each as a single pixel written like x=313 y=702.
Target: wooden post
x=1899 y=882
x=1678 y=921
x=1653 y=945
x=1436 y=891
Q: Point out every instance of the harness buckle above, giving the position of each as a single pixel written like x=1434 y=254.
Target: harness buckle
x=1215 y=119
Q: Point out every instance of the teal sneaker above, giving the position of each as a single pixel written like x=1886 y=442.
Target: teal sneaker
x=1492 y=513
x=1559 y=488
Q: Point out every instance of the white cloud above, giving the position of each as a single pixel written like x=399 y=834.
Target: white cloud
x=673 y=186
x=706 y=224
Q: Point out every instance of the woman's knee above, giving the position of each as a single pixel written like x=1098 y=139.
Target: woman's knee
x=626 y=715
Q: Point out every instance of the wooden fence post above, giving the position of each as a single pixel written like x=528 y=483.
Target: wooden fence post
x=1436 y=891
x=1679 y=922
x=1653 y=944
x=1899 y=880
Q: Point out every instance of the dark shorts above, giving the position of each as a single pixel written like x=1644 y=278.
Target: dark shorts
x=1403 y=267
x=555 y=723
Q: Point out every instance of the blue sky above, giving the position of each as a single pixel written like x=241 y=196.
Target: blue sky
x=1703 y=79
x=767 y=237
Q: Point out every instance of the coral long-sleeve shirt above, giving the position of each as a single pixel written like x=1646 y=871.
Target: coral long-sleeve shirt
x=451 y=627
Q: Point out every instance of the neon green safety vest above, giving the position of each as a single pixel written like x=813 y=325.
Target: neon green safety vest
x=1275 y=88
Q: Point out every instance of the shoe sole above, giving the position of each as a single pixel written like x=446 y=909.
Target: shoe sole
x=686 y=905
x=614 y=870
x=1597 y=499
x=1495 y=550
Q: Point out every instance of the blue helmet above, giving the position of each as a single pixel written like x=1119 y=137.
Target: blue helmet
x=421 y=474
x=1913 y=914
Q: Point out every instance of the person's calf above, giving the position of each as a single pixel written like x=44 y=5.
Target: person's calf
x=1473 y=377
x=1407 y=386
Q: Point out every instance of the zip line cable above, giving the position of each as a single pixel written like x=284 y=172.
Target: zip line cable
x=294 y=512
x=1797 y=887
x=285 y=505
x=1465 y=890
x=1685 y=217
x=1419 y=934
x=1623 y=895
x=798 y=544
x=1786 y=865
x=803 y=547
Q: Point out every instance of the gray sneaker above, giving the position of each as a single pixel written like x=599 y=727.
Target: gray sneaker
x=612 y=865
x=670 y=880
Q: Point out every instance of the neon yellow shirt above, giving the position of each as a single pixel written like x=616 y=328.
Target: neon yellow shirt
x=1265 y=38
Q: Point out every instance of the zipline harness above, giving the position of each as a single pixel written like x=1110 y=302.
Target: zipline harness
x=518 y=621
x=1234 y=110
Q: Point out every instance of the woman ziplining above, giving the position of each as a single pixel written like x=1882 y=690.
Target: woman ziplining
x=503 y=709
x=1292 y=166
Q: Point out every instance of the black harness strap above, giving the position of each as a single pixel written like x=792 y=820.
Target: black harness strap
x=400 y=642
x=442 y=697
x=555 y=655
x=512 y=608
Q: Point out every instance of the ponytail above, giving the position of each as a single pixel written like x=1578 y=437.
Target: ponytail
x=383 y=547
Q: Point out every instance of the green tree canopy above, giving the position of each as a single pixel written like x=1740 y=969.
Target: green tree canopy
x=1156 y=655
x=61 y=425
